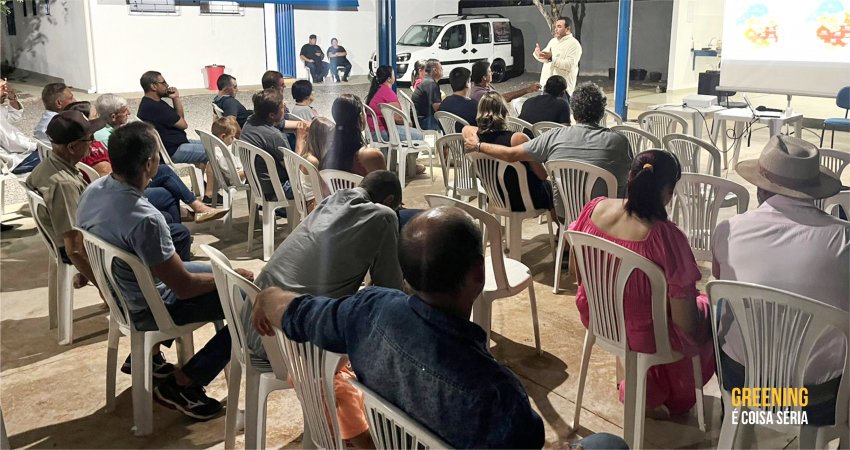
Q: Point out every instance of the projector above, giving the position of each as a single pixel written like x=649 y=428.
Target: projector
x=700 y=101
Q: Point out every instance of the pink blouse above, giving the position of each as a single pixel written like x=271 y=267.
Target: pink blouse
x=384 y=94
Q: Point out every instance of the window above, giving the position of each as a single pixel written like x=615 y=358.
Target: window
x=502 y=30
x=455 y=37
x=420 y=35
x=480 y=33
x=35 y=7
x=11 y=29
x=223 y=8
x=152 y=6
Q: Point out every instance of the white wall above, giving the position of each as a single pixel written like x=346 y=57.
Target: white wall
x=695 y=24
x=54 y=45
x=178 y=46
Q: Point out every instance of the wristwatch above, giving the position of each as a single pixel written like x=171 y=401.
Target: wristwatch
x=478 y=147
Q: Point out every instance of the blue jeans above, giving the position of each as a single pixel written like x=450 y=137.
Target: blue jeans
x=599 y=441
x=317 y=69
x=429 y=123
x=191 y=152
x=162 y=200
x=28 y=164
x=166 y=178
x=415 y=134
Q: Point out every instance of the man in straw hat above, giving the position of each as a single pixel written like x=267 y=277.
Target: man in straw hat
x=788 y=243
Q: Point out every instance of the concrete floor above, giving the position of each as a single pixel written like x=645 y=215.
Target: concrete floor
x=53 y=397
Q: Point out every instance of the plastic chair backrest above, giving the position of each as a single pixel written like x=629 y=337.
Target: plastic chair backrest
x=574 y=181
x=611 y=116
x=517 y=104
x=541 y=127
x=698 y=200
x=232 y=292
x=662 y=123
x=337 y=180
x=834 y=160
x=492 y=229
x=163 y=153
x=249 y=154
x=842 y=100
x=391 y=428
x=518 y=125
x=44 y=149
x=213 y=146
x=217 y=111
x=372 y=116
x=779 y=330
x=38 y=207
x=605 y=267
x=830 y=205
x=88 y=171
x=294 y=163
x=408 y=108
x=491 y=174
x=102 y=257
x=390 y=112
x=689 y=150
x=449 y=121
x=463 y=180
x=639 y=140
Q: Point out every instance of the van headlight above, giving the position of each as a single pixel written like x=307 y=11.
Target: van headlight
x=403 y=57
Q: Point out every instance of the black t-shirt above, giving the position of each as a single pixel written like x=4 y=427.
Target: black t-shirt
x=465 y=108
x=309 y=51
x=340 y=59
x=233 y=107
x=424 y=97
x=545 y=108
x=163 y=117
x=540 y=190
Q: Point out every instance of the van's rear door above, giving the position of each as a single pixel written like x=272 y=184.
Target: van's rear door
x=481 y=42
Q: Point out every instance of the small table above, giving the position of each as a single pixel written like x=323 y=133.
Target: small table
x=697 y=116
x=742 y=116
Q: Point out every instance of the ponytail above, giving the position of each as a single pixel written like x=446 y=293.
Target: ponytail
x=382 y=74
x=652 y=173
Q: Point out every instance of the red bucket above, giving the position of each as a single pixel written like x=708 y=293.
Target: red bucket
x=213 y=72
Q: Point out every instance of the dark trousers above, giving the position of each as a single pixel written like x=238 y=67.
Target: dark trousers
x=28 y=164
x=317 y=69
x=336 y=63
x=165 y=202
x=166 y=178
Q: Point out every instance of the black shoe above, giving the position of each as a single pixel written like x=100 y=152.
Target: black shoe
x=4 y=227
x=189 y=400
x=345 y=79
x=208 y=200
x=161 y=368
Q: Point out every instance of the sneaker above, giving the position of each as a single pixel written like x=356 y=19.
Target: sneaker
x=192 y=401
x=161 y=368
x=208 y=200
x=210 y=215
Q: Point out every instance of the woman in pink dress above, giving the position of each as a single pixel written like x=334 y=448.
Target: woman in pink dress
x=640 y=224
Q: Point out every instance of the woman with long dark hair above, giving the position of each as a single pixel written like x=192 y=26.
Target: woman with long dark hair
x=381 y=92
x=348 y=151
x=640 y=224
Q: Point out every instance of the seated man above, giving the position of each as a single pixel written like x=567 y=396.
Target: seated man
x=114 y=209
x=55 y=97
x=420 y=352
x=788 y=243
x=427 y=96
x=587 y=142
x=17 y=151
x=313 y=58
x=550 y=106
x=261 y=132
x=170 y=123
x=458 y=103
x=338 y=58
x=226 y=99
x=482 y=79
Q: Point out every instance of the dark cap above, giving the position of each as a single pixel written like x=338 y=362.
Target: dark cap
x=69 y=126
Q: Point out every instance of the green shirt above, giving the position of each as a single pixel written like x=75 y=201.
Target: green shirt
x=103 y=134
x=60 y=185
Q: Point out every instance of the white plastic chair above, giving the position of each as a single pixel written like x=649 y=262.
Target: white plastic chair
x=639 y=140
x=295 y=165
x=213 y=146
x=604 y=268
x=407 y=106
x=834 y=160
x=491 y=174
x=541 y=127
x=376 y=141
x=662 y=123
x=574 y=181
x=88 y=171
x=517 y=104
x=259 y=378
x=60 y=287
x=779 y=331
x=312 y=372
x=449 y=122
x=5 y=175
x=249 y=154
x=391 y=428
x=43 y=148
x=830 y=205
x=196 y=176
x=458 y=172
x=337 y=180
x=697 y=203
x=609 y=117
x=403 y=146
x=217 y=111
x=103 y=256
x=518 y=125
x=504 y=277
x=695 y=155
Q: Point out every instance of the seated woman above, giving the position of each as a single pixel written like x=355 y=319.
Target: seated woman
x=310 y=144
x=348 y=151
x=640 y=224
x=493 y=129
x=381 y=92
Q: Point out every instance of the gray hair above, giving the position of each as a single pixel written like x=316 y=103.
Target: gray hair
x=430 y=65
x=109 y=104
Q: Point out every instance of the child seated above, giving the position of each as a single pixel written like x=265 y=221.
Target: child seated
x=302 y=92
x=227 y=129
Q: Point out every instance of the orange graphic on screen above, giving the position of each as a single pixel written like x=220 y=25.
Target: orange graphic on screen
x=759 y=28
x=832 y=23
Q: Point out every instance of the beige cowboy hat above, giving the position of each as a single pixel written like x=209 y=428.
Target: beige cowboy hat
x=791 y=167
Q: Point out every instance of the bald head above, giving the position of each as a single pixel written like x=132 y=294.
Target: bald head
x=438 y=249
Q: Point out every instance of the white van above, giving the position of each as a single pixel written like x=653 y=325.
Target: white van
x=457 y=41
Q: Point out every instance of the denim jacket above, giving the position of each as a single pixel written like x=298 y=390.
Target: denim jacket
x=433 y=366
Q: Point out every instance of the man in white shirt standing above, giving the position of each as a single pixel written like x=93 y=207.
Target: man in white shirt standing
x=561 y=55
x=17 y=150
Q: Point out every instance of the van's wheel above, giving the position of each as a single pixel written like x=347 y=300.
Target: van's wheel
x=499 y=70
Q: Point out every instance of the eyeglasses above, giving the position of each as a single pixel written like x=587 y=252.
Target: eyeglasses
x=161 y=82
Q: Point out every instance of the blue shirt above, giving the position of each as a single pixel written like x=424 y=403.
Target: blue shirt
x=433 y=366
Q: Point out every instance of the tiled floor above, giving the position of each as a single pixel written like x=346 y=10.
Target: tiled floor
x=53 y=397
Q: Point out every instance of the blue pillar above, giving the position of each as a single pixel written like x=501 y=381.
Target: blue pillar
x=624 y=43
x=284 y=16
x=386 y=33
